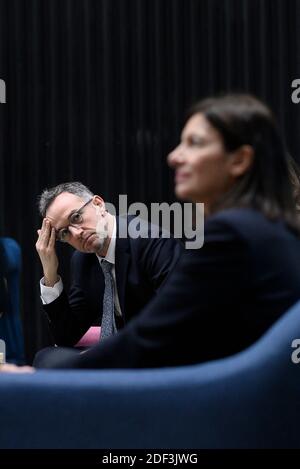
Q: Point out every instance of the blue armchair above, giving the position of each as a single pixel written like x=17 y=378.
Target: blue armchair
x=249 y=400
x=10 y=321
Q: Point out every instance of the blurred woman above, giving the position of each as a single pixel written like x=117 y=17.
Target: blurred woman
x=224 y=296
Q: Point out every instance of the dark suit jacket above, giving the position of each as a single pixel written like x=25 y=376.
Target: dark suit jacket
x=217 y=301
x=141 y=267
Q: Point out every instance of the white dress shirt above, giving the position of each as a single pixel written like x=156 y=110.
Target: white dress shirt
x=49 y=294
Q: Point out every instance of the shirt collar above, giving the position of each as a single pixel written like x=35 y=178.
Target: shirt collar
x=111 y=251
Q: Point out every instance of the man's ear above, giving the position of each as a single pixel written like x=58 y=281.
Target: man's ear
x=241 y=160
x=99 y=202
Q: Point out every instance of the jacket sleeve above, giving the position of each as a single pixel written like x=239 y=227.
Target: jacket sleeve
x=159 y=256
x=70 y=316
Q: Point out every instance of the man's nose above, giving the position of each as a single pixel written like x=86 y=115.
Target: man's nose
x=75 y=231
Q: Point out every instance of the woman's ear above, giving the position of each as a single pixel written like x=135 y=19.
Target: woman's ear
x=241 y=160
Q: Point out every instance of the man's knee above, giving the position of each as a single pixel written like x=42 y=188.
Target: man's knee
x=42 y=357
x=51 y=357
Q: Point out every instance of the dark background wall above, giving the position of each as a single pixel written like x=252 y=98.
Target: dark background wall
x=97 y=89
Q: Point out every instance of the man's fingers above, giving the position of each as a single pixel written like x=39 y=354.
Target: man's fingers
x=45 y=241
x=45 y=232
x=41 y=229
x=52 y=238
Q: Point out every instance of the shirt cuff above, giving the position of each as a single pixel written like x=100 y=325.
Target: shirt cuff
x=49 y=294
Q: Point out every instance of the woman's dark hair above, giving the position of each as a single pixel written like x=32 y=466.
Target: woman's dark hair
x=242 y=119
x=294 y=172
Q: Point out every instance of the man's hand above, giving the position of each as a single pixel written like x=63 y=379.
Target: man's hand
x=45 y=247
x=10 y=368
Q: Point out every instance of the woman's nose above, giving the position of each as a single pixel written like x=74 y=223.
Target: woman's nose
x=175 y=157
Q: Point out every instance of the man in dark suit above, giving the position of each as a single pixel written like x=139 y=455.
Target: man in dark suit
x=139 y=265
x=217 y=301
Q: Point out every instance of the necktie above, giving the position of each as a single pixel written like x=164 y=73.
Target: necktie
x=108 y=325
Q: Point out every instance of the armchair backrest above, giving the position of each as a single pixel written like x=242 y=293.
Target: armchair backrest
x=249 y=400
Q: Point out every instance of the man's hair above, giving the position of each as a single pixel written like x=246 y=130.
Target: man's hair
x=48 y=195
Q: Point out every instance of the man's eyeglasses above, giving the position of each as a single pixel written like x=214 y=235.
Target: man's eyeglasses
x=76 y=219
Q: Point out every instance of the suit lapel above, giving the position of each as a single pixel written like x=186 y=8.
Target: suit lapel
x=121 y=262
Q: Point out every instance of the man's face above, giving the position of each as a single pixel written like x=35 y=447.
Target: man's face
x=87 y=235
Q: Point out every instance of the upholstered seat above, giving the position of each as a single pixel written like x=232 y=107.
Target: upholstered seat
x=249 y=400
